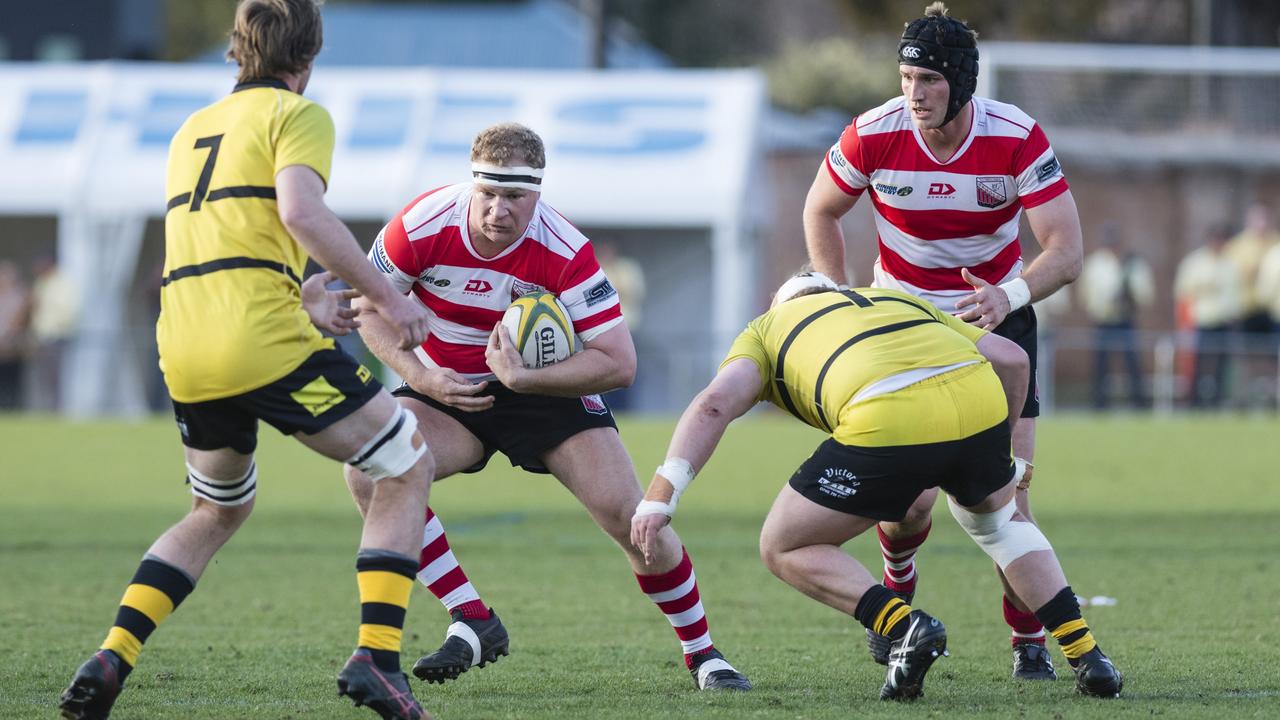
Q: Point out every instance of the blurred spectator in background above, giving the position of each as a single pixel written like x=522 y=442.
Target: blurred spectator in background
x=1247 y=250
x=1211 y=285
x=55 y=310
x=14 y=307
x=1268 y=287
x=1114 y=284
x=627 y=277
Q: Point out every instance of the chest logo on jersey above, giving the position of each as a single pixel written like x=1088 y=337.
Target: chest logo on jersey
x=520 y=288
x=991 y=191
x=478 y=286
x=941 y=189
x=887 y=189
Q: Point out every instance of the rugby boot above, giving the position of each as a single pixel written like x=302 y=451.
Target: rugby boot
x=468 y=643
x=911 y=657
x=93 y=689
x=1096 y=676
x=385 y=693
x=877 y=644
x=712 y=672
x=1031 y=661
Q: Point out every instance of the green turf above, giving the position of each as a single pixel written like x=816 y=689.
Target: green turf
x=1175 y=519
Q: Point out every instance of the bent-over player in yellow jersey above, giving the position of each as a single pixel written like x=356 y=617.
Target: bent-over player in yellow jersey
x=238 y=345
x=231 y=315
x=912 y=399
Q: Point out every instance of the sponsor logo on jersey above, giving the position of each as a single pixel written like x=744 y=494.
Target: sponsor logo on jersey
x=600 y=292
x=911 y=52
x=381 y=260
x=941 y=189
x=838 y=483
x=991 y=191
x=427 y=278
x=478 y=286
x=887 y=189
x=594 y=405
x=1048 y=169
x=520 y=288
x=837 y=157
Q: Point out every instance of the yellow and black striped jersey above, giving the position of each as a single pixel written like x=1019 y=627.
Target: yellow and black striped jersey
x=818 y=352
x=231 y=316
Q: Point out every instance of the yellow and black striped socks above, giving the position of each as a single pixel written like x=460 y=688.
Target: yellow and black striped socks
x=883 y=612
x=1061 y=616
x=155 y=592
x=385 y=579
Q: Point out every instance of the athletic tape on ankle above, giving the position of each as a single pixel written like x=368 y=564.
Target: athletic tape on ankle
x=464 y=631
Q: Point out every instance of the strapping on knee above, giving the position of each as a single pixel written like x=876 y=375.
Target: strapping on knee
x=393 y=450
x=999 y=536
x=227 y=493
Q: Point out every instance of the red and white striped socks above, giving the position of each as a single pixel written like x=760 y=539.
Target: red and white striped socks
x=439 y=570
x=676 y=594
x=1026 y=627
x=900 y=560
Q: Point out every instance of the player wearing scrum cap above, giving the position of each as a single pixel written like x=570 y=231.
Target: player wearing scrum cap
x=464 y=252
x=914 y=399
x=949 y=176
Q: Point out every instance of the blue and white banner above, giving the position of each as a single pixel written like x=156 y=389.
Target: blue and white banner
x=651 y=148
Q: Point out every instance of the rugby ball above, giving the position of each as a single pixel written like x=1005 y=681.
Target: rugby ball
x=540 y=326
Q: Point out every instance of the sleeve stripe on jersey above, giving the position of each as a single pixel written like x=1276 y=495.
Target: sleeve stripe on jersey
x=1044 y=195
x=882 y=117
x=584 y=325
x=848 y=189
x=992 y=270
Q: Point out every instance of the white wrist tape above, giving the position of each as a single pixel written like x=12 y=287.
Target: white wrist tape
x=678 y=472
x=1019 y=469
x=1018 y=292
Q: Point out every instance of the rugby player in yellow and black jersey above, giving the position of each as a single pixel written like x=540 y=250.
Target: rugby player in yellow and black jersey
x=239 y=343
x=913 y=399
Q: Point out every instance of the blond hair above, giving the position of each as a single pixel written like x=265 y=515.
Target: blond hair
x=272 y=38
x=509 y=144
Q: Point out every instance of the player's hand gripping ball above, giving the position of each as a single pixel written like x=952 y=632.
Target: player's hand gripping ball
x=539 y=325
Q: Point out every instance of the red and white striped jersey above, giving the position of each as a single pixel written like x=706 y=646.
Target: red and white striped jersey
x=933 y=217
x=426 y=252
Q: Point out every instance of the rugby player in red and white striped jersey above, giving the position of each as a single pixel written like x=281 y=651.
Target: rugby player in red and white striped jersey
x=464 y=252
x=949 y=176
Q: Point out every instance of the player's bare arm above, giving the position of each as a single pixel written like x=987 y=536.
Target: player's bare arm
x=300 y=199
x=730 y=395
x=1056 y=226
x=440 y=384
x=607 y=362
x=1012 y=366
x=825 y=204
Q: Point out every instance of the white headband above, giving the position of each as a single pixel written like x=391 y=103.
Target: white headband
x=523 y=177
x=799 y=283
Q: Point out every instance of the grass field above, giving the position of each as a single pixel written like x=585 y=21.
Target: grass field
x=1178 y=520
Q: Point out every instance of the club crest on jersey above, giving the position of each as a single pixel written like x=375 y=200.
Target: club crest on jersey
x=520 y=288
x=594 y=404
x=991 y=191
